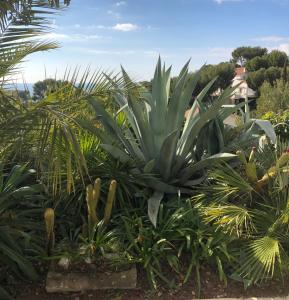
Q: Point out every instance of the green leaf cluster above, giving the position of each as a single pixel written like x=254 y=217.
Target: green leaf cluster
x=157 y=139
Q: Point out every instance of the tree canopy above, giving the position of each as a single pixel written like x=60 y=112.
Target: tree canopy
x=261 y=65
x=42 y=88
x=242 y=54
x=224 y=72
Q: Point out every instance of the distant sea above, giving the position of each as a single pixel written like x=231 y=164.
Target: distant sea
x=22 y=87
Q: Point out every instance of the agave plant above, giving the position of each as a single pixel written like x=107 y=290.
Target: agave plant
x=157 y=139
x=251 y=204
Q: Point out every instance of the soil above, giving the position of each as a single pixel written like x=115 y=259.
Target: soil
x=211 y=288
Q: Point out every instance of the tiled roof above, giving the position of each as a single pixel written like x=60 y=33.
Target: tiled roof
x=240 y=71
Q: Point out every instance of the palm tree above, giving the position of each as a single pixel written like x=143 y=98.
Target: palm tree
x=48 y=129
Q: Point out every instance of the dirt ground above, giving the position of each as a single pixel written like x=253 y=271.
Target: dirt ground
x=211 y=288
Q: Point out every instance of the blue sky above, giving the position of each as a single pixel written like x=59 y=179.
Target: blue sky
x=107 y=33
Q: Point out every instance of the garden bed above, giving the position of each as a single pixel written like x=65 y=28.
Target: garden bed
x=211 y=288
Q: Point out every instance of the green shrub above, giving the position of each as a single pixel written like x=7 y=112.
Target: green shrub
x=251 y=205
x=181 y=242
x=21 y=208
x=273 y=98
x=280 y=122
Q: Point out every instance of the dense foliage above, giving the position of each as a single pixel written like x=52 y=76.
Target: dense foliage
x=105 y=151
x=242 y=55
x=21 y=207
x=251 y=205
x=281 y=123
x=273 y=98
x=156 y=139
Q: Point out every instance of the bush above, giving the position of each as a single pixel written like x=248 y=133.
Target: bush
x=251 y=204
x=181 y=242
x=273 y=98
x=20 y=213
x=277 y=58
x=280 y=122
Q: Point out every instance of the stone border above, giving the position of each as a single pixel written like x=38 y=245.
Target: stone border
x=77 y=282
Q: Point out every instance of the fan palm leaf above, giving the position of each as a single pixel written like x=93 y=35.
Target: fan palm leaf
x=257 y=215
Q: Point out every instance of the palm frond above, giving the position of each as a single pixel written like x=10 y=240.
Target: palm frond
x=227 y=183
x=48 y=132
x=230 y=218
x=262 y=257
x=21 y=22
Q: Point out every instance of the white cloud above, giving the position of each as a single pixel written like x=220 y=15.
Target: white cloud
x=105 y=52
x=223 y=1
x=118 y=26
x=55 y=36
x=284 y=47
x=120 y=3
x=155 y=54
x=125 y=27
x=72 y=37
x=271 y=39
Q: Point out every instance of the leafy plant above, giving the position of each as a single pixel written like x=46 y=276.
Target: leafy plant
x=181 y=243
x=33 y=132
x=100 y=241
x=20 y=207
x=280 y=122
x=21 y=22
x=252 y=205
x=157 y=140
x=92 y=199
x=273 y=97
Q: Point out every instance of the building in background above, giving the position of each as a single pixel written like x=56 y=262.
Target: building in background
x=243 y=91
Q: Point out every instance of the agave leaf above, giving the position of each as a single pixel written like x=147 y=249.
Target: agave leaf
x=149 y=166
x=228 y=110
x=181 y=98
x=116 y=152
x=141 y=118
x=129 y=114
x=164 y=187
x=196 y=104
x=204 y=163
x=105 y=137
x=192 y=119
x=158 y=114
x=216 y=136
x=190 y=134
x=153 y=206
x=110 y=125
x=265 y=126
x=167 y=154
